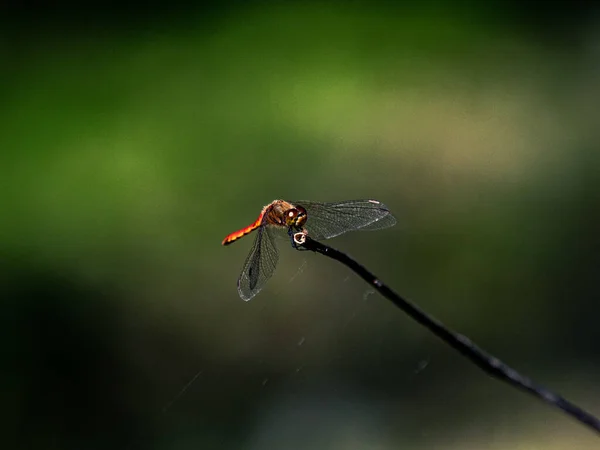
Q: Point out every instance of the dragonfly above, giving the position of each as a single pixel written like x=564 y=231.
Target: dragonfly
x=314 y=219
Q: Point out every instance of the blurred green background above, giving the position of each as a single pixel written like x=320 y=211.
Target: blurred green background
x=135 y=138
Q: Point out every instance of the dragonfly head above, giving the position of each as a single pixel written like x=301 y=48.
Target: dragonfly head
x=295 y=217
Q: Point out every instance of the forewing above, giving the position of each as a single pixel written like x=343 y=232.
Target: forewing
x=260 y=264
x=327 y=220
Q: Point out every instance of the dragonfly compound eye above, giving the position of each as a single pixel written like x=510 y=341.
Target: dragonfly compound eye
x=300 y=217
x=295 y=217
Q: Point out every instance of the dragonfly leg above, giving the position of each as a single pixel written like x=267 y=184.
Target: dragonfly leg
x=291 y=235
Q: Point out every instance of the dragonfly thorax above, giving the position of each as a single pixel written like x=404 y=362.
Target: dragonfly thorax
x=284 y=214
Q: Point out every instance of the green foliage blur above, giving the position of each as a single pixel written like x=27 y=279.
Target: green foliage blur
x=129 y=149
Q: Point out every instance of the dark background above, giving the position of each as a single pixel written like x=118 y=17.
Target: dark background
x=135 y=137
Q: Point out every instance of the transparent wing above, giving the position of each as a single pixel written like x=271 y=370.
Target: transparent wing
x=260 y=264
x=327 y=220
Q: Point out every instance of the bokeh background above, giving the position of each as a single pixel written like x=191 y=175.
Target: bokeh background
x=134 y=138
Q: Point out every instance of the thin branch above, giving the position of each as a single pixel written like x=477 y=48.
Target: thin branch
x=488 y=363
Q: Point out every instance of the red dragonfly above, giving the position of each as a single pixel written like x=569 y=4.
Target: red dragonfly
x=317 y=220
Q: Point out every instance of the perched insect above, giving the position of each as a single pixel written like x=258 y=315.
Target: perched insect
x=317 y=220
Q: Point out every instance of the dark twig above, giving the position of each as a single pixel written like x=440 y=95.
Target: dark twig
x=488 y=363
